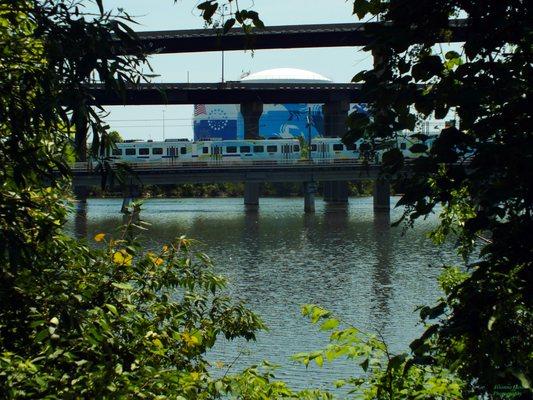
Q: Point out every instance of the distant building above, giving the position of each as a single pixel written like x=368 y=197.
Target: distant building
x=224 y=121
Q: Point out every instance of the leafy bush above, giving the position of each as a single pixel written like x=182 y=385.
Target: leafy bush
x=116 y=321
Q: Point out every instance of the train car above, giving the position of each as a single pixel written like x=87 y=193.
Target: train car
x=253 y=150
x=183 y=150
x=332 y=149
x=136 y=151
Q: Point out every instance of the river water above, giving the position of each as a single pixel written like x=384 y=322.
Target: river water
x=348 y=260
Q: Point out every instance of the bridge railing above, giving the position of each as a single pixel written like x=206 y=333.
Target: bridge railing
x=218 y=164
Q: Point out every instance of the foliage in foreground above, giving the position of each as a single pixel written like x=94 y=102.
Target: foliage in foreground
x=383 y=375
x=481 y=174
x=116 y=321
x=79 y=322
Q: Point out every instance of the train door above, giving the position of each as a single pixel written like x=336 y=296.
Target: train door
x=172 y=154
x=322 y=151
x=216 y=152
x=286 y=152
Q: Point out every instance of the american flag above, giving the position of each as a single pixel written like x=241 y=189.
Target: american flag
x=199 y=109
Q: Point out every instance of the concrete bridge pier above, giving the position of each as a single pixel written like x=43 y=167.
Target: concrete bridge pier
x=336 y=192
x=335 y=115
x=309 y=197
x=251 y=113
x=251 y=195
x=381 y=195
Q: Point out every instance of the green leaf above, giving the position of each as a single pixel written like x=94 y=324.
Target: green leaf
x=329 y=324
x=228 y=25
x=359 y=77
x=100 y=6
x=450 y=55
x=319 y=361
x=112 y=308
x=123 y=286
x=41 y=335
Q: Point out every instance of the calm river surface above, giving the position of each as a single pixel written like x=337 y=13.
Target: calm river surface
x=350 y=261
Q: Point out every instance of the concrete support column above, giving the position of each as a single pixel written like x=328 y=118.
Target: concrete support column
x=335 y=115
x=336 y=192
x=251 y=195
x=309 y=197
x=381 y=195
x=251 y=112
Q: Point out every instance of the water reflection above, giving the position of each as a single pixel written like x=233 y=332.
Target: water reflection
x=382 y=271
x=80 y=219
x=347 y=259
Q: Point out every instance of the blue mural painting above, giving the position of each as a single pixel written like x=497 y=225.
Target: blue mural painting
x=278 y=121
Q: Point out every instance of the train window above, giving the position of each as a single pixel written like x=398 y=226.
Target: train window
x=231 y=149
x=259 y=149
x=144 y=151
x=337 y=147
x=183 y=150
x=117 y=152
x=157 y=150
x=130 y=152
x=403 y=146
x=245 y=149
x=272 y=149
x=313 y=147
x=296 y=148
x=205 y=150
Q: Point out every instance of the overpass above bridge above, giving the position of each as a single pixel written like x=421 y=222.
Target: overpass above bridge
x=277 y=37
x=228 y=93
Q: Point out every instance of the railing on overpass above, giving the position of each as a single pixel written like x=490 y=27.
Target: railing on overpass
x=226 y=164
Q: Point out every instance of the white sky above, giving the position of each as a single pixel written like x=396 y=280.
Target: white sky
x=144 y=122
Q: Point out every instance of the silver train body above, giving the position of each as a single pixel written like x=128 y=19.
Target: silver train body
x=278 y=150
x=230 y=150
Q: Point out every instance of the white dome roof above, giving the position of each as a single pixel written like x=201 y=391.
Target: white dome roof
x=285 y=75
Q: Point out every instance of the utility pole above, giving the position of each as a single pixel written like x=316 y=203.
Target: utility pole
x=309 y=133
x=163 y=125
x=222 y=66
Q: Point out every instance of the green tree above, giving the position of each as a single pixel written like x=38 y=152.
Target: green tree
x=76 y=321
x=481 y=174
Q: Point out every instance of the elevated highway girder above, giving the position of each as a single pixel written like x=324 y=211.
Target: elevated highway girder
x=276 y=37
x=228 y=93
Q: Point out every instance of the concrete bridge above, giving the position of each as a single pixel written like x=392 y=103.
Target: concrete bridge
x=334 y=172
x=278 y=37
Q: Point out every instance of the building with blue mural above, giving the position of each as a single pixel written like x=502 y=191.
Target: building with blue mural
x=224 y=121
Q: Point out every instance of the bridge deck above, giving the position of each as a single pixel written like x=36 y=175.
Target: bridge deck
x=228 y=93
x=171 y=173
x=275 y=37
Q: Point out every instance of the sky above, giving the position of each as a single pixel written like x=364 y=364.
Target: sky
x=339 y=64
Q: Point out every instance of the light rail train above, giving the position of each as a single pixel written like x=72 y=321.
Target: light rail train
x=226 y=150
x=279 y=150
